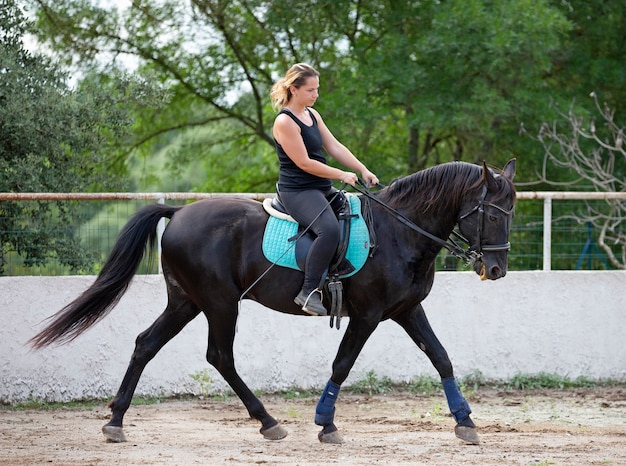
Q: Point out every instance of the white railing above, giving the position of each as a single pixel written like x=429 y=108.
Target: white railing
x=546 y=196
x=158 y=197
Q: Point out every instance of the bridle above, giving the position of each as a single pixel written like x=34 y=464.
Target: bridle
x=480 y=208
x=469 y=255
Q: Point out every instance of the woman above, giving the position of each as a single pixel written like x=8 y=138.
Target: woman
x=305 y=179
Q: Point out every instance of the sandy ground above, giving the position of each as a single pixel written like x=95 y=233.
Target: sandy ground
x=560 y=427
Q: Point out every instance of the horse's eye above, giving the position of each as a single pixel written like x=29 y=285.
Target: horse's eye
x=492 y=218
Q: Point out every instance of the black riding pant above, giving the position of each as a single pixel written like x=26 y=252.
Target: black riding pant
x=304 y=206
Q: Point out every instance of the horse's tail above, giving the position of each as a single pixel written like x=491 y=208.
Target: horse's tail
x=112 y=282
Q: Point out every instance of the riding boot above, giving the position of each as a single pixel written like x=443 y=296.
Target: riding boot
x=311 y=302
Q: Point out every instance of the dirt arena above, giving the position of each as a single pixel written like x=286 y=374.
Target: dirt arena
x=555 y=427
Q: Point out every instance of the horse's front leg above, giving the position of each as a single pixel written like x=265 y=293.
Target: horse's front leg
x=415 y=323
x=357 y=333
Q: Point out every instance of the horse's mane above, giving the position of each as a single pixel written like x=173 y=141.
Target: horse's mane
x=441 y=186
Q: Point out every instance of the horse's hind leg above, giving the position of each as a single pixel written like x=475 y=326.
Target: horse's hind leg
x=178 y=313
x=415 y=323
x=220 y=355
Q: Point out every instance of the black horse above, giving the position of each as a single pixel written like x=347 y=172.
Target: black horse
x=211 y=254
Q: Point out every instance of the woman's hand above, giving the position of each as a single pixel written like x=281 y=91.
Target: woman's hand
x=369 y=178
x=349 y=178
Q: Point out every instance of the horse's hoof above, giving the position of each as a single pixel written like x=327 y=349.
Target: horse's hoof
x=274 y=433
x=331 y=437
x=113 y=434
x=467 y=434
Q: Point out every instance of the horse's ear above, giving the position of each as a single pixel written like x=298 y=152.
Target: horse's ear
x=488 y=178
x=509 y=169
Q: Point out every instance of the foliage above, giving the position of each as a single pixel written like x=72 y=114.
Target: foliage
x=592 y=154
x=88 y=404
x=474 y=380
x=297 y=393
x=461 y=72
x=372 y=385
x=545 y=380
x=55 y=139
x=592 y=56
x=204 y=380
x=424 y=384
x=43 y=405
x=405 y=86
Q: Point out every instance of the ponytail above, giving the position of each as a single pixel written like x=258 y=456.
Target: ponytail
x=296 y=76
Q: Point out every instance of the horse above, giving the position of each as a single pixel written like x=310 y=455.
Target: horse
x=211 y=254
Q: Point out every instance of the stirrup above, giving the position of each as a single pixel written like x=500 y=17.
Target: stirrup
x=310 y=304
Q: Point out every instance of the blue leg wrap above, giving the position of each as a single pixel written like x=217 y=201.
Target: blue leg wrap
x=458 y=405
x=325 y=411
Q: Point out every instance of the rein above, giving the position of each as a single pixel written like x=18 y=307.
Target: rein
x=469 y=255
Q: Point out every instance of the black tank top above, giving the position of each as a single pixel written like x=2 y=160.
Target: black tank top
x=293 y=178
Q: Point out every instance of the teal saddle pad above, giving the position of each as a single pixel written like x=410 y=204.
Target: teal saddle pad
x=280 y=251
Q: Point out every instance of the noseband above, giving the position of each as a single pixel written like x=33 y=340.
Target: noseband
x=480 y=208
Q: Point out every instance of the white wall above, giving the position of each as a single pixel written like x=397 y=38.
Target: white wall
x=570 y=323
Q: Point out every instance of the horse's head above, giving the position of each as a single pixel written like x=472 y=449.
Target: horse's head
x=485 y=221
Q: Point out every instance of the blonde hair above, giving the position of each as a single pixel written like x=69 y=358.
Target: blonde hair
x=295 y=76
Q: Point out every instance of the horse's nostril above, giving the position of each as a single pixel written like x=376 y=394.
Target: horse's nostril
x=495 y=271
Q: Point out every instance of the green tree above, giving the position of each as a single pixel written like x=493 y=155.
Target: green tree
x=457 y=76
x=589 y=63
x=592 y=57
x=591 y=150
x=404 y=84
x=53 y=139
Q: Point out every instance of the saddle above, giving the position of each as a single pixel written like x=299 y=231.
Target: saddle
x=282 y=231
x=285 y=243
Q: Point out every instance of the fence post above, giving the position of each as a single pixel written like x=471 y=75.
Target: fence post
x=160 y=230
x=547 y=233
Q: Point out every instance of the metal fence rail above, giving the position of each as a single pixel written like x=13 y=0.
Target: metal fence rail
x=521 y=226
x=548 y=197
x=160 y=197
